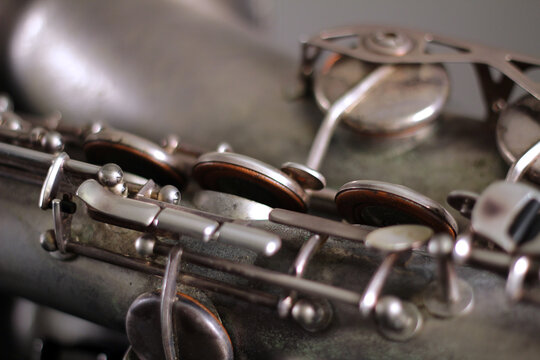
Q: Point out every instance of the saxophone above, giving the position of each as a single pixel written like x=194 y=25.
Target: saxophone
x=183 y=248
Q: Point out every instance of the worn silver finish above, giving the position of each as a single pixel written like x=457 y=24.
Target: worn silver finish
x=37 y=162
x=450 y=296
x=413 y=96
x=392 y=240
x=518 y=129
x=496 y=211
x=260 y=241
x=52 y=142
x=307 y=177
x=389 y=43
x=339 y=107
x=397 y=320
x=168 y=297
x=210 y=340
x=464 y=151
x=137 y=154
x=110 y=175
x=228 y=205
x=170 y=194
x=373 y=290
x=148 y=216
x=306 y=252
x=496 y=93
x=398 y=237
x=180 y=222
x=312 y=315
x=144 y=245
x=463 y=201
x=516 y=278
x=124 y=210
x=47 y=241
x=52 y=181
x=524 y=163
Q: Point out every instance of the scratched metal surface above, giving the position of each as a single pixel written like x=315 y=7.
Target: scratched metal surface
x=241 y=102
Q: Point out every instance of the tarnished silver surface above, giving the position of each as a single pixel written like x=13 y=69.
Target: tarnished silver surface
x=460 y=155
x=411 y=97
x=105 y=203
x=229 y=205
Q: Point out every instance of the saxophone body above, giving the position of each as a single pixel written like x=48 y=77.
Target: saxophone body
x=157 y=69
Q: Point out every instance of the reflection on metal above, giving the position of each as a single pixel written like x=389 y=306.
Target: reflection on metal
x=116 y=263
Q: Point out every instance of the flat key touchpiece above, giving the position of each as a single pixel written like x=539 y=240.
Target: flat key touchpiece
x=377 y=203
x=230 y=206
x=399 y=237
x=518 y=128
x=412 y=97
x=249 y=178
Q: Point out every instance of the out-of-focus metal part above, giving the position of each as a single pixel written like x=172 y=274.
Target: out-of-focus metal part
x=516 y=278
x=463 y=247
x=378 y=203
x=52 y=181
x=392 y=240
x=389 y=43
x=518 y=129
x=231 y=206
x=312 y=314
x=519 y=168
x=412 y=97
x=396 y=319
x=340 y=107
x=5 y=103
x=246 y=177
x=168 y=297
x=47 y=241
x=463 y=201
x=496 y=93
x=450 y=296
x=200 y=334
x=504 y=213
